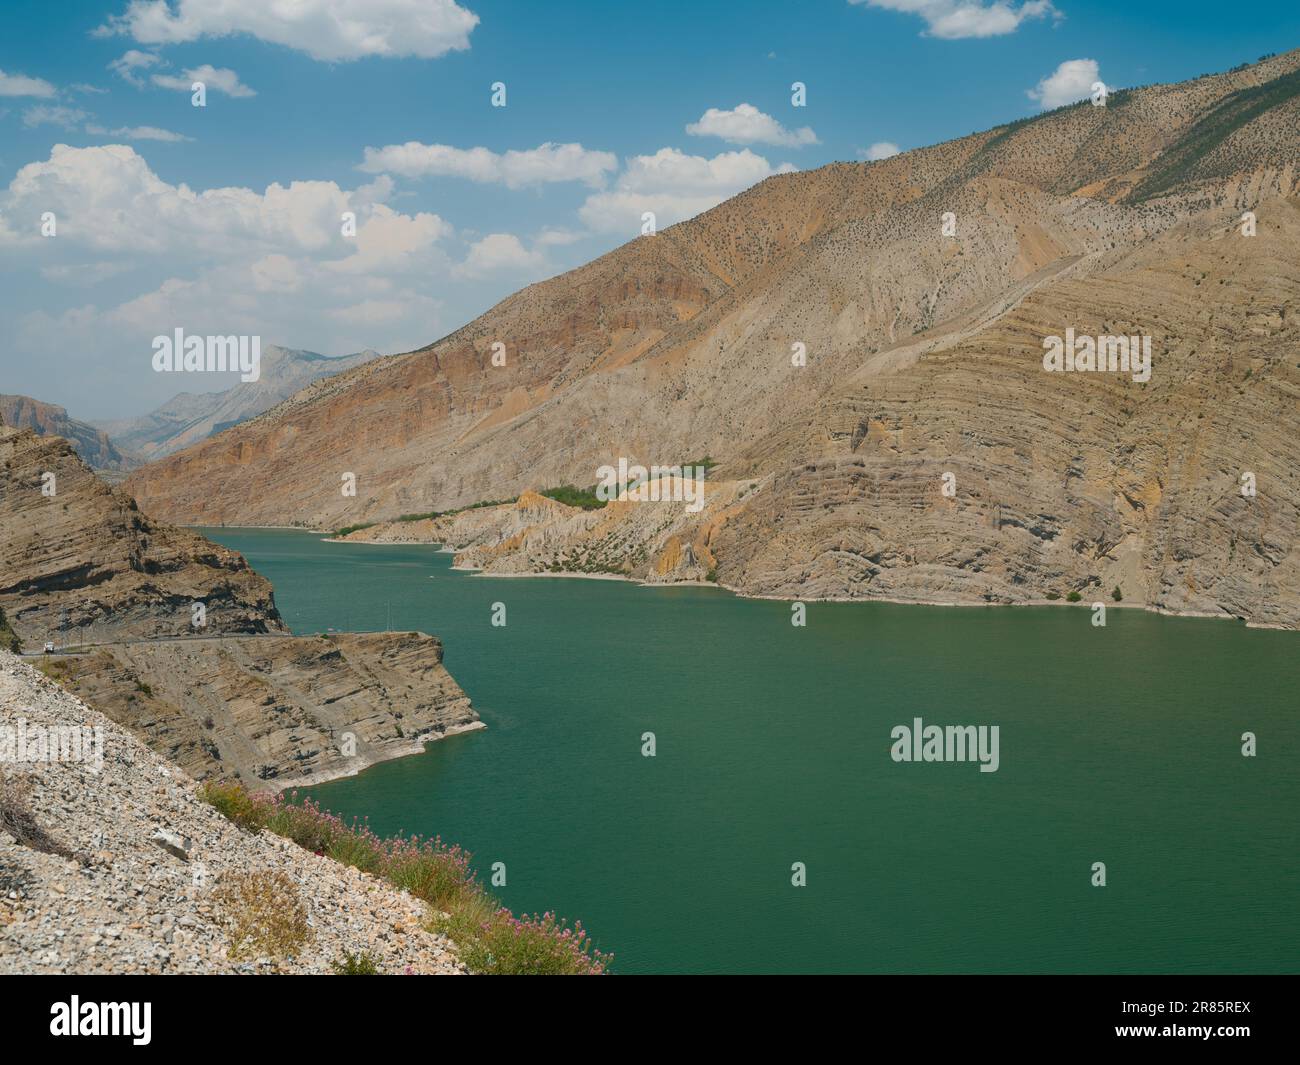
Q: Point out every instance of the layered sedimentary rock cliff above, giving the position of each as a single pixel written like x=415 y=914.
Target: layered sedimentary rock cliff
x=1182 y=491
x=842 y=339
x=235 y=696
x=655 y=542
x=279 y=710
x=93 y=445
x=79 y=562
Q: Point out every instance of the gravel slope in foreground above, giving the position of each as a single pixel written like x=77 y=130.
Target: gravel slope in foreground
x=127 y=904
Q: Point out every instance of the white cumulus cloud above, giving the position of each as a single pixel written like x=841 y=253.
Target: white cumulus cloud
x=1071 y=81
x=21 y=85
x=130 y=62
x=514 y=169
x=957 y=19
x=674 y=186
x=746 y=124
x=218 y=78
x=325 y=29
x=879 y=150
x=113 y=201
x=287 y=238
x=273 y=262
x=500 y=254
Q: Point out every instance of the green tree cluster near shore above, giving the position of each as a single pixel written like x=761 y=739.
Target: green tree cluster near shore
x=568 y=494
x=584 y=498
x=430 y=515
x=491 y=940
x=353 y=528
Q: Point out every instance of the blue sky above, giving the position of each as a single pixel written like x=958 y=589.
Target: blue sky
x=225 y=218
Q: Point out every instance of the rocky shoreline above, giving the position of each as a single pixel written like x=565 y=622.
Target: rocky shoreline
x=536 y=537
x=275 y=711
x=178 y=639
x=360 y=763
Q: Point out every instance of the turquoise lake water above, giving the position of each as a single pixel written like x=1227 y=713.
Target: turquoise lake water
x=1119 y=745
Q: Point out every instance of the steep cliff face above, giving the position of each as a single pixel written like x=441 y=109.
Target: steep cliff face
x=93 y=445
x=275 y=710
x=235 y=697
x=920 y=289
x=1081 y=481
x=80 y=562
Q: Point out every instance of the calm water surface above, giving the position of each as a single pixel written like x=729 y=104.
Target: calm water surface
x=1119 y=744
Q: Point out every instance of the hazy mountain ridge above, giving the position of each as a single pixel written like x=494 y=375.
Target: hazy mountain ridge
x=190 y=417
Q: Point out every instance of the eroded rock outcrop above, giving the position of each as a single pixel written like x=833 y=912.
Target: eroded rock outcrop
x=654 y=541
x=80 y=562
x=46 y=419
x=275 y=711
x=236 y=696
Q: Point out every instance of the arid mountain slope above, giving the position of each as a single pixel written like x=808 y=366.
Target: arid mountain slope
x=1064 y=482
x=679 y=345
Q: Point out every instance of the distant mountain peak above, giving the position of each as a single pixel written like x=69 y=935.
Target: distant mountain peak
x=191 y=417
